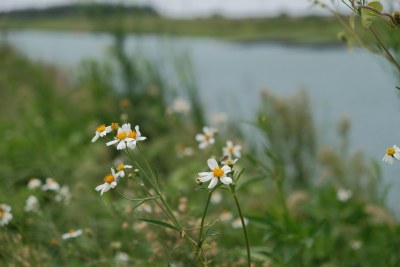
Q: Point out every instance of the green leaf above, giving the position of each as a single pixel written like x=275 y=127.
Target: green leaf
x=368 y=16
x=160 y=223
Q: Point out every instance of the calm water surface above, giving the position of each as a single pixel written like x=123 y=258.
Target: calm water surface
x=339 y=82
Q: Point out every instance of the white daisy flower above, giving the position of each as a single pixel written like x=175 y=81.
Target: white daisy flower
x=126 y=137
x=110 y=181
x=5 y=214
x=216 y=174
x=207 y=138
x=72 y=234
x=216 y=197
x=101 y=131
x=180 y=105
x=120 y=170
x=228 y=161
x=32 y=204
x=392 y=153
x=122 y=257
x=238 y=223
x=232 y=150
x=63 y=195
x=51 y=185
x=343 y=195
x=34 y=183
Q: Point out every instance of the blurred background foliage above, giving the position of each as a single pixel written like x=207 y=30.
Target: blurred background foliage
x=293 y=191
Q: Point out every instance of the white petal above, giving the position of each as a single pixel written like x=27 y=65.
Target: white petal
x=213 y=183
x=202 y=174
x=211 y=141
x=121 y=145
x=229 y=143
x=128 y=166
x=132 y=144
x=203 y=145
x=126 y=127
x=226 y=180
x=100 y=187
x=140 y=138
x=95 y=137
x=212 y=164
x=226 y=169
x=206 y=178
x=200 y=137
x=396 y=156
x=112 y=142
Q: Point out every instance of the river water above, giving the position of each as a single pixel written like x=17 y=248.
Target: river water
x=339 y=82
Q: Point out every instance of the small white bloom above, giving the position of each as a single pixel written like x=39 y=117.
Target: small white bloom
x=120 y=170
x=356 y=244
x=32 y=204
x=392 y=153
x=122 y=257
x=180 y=105
x=343 y=195
x=228 y=161
x=218 y=118
x=238 y=223
x=110 y=181
x=51 y=185
x=72 y=234
x=101 y=131
x=126 y=137
x=232 y=150
x=225 y=216
x=216 y=197
x=64 y=195
x=207 y=138
x=34 y=183
x=216 y=174
x=5 y=214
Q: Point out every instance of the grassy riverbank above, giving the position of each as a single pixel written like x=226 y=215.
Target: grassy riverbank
x=287 y=29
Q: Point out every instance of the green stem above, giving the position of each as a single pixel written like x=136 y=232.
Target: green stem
x=388 y=54
x=243 y=225
x=282 y=199
x=200 y=239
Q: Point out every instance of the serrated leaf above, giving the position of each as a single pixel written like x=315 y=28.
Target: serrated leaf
x=368 y=16
x=160 y=223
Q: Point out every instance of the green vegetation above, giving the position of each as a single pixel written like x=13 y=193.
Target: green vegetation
x=306 y=203
x=294 y=191
x=307 y=30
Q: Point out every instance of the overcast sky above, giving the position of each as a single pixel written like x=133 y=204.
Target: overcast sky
x=184 y=8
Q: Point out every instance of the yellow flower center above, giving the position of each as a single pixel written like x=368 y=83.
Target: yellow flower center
x=230 y=149
x=2 y=213
x=109 y=178
x=120 y=167
x=71 y=231
x=51 y=181
x=121 y=136
x=114 y=126
x=390 y=151
x=207 y=137
x=218 y=172
x=101 y=128
x=132 y=135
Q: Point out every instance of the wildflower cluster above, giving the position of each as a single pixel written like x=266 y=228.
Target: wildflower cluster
x=124 y=137
x=51 y=188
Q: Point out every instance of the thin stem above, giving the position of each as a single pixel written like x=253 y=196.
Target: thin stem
x=200 y=239
x=389 y=55
x=243 y=225
x=136 y=199
x=282 y=199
